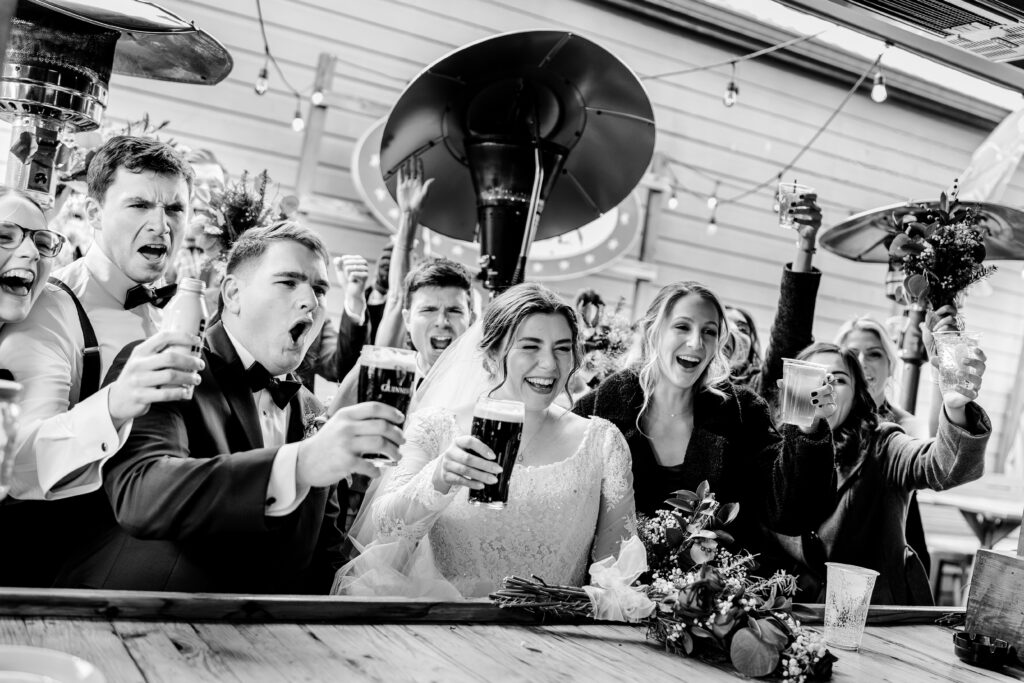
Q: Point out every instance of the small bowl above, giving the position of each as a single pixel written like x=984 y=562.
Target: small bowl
x=981 y=650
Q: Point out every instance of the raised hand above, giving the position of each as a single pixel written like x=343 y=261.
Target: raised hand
x=335 y=452
x=461 y=466
x=824 y=401
x=353 y=271
x=807 y=217
x=157 y=370
x=969 y=373
x=412 y=189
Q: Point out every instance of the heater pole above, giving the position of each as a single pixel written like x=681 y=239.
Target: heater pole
x=314 y=131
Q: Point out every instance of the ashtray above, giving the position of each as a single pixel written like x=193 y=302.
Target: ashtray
x=981 y=650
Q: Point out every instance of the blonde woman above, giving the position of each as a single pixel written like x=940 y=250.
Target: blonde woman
x=685 y=423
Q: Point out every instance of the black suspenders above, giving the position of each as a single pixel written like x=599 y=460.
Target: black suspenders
x=91 y=353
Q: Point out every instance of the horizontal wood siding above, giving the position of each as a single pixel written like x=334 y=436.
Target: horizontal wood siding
x=871 y=155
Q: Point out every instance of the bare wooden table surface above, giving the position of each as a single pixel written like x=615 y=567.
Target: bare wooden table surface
x=244 y=649
x=992 y=505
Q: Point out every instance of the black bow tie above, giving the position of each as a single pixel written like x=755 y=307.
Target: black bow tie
x=141 y=294
x=281 y=390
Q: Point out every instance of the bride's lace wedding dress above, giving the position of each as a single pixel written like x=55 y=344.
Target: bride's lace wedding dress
x=559 y=518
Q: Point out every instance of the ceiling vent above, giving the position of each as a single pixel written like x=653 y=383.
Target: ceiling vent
x=990 y=29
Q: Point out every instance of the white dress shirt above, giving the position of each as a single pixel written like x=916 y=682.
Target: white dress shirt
x=59 y=435
x=283 y=493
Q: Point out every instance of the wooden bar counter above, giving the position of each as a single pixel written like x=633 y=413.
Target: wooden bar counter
x=133 y=636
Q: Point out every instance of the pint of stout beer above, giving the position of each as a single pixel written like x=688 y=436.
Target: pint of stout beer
x=387 y=375
x=499 y=424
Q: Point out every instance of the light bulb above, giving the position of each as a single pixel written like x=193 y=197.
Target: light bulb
x=673 y=202
x=712 y=226
x=317 y=98
x=261 y=84
x=298 y=125
x=712 y=203
x=878 y=92
x=732 y=93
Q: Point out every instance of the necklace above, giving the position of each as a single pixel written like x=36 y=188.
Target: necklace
x=533 y=437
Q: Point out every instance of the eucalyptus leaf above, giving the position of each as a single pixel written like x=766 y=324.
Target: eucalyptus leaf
x=752 y=656
x=916 y=285
x=724 y=536
x=727 y=513
x=680 y=504
x=703 y=489
x=686 y=495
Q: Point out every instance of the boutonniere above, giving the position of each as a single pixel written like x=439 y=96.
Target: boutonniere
x=314 y=415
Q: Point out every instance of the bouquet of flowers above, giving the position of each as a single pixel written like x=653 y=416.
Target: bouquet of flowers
x=703 y=600
x=940 y=251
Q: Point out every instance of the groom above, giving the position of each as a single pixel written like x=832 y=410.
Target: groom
x=220 y=492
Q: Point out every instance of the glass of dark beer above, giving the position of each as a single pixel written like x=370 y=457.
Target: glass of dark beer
x=387 y=375
x=499 y=424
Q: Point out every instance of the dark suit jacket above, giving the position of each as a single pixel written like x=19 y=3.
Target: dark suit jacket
x=188 y=491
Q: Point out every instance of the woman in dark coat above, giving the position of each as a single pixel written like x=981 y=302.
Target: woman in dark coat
x=686 y=423
x=879 y=467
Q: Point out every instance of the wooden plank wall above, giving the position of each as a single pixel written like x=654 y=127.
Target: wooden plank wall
x=871 y=155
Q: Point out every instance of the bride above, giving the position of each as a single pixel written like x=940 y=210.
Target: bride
x=570 y=498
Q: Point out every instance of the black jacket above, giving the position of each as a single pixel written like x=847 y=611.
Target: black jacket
x=784 y=480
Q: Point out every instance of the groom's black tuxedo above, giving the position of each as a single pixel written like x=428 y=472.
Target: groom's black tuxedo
x=189 y=492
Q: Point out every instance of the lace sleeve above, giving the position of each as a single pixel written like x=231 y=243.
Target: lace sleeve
x=616 y=520
x=408 y=503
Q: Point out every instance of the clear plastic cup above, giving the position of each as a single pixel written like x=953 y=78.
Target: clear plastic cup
x=951 y=348
x=799 y=379
x=789 y=194
x=847 y=599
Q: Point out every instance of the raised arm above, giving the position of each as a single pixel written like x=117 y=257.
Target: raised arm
x=412 y=190
x=408 y=502
x=794 y=318
x=790 y=478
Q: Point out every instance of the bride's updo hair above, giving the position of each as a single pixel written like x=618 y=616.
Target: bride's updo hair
x=506 y=313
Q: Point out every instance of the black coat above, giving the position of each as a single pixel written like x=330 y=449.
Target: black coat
x=784 y=480
x=188 y=490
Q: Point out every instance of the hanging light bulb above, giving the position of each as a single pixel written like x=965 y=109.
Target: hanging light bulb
x=878 y=91
x=298 y=124
x=712 y=202
x=732 y=91
x=712 y=226
x=261 y=84
x=317 y=98
x=673 y=201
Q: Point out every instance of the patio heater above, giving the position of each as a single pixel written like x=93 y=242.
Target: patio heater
x=866 y=237
x=57 y=66
x=528 y=135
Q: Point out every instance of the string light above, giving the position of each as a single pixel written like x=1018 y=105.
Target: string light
x=298 y=123
x=732 y=91
x=713 y=208
x=878 y=91
x=317 y=98
x=673 y=201
x=261 y=84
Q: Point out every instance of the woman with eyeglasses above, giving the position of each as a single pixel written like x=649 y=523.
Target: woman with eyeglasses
x=27 y=250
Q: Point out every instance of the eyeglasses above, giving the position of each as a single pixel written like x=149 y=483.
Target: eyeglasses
x=48 y=242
